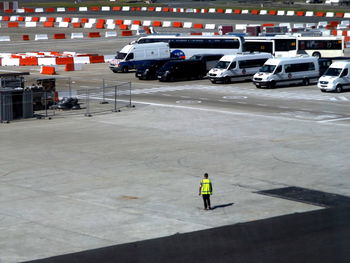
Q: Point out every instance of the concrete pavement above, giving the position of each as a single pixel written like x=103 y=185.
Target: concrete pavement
x=79 y=183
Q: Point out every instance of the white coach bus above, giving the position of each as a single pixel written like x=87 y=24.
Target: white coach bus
x=186 y=46
x=289 y=46
x=325 y=47
x=279 y=46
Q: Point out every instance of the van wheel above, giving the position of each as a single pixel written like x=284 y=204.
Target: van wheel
x=227 y=80
x=316 y=54
x=125 y=69
x=306 y=82
x=339 y=88
x=272 y=84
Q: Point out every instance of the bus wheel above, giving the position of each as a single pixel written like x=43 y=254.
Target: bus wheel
x=306 y=82
x=316 y=54
x=227 y=80
x=125 y=69
x=339 y=88
x=272 y=84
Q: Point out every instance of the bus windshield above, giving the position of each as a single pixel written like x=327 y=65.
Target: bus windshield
x=333 y=72
x=222 y=64
x=267 y=68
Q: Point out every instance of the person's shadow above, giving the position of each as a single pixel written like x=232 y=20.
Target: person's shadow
x=221 y=206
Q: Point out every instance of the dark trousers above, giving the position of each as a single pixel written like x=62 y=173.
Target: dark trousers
x=206 y=200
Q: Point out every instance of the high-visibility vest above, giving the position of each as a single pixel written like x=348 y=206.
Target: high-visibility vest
x=206 y=187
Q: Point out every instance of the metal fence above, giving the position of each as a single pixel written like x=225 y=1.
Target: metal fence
x=67 y=101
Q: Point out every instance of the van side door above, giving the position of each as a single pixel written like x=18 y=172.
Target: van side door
x=345 y=78
x=232 y=68
x=279 y=75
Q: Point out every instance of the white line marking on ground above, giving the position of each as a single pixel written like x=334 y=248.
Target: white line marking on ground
x=208 y=110
x=333 y=120
x=343 y=98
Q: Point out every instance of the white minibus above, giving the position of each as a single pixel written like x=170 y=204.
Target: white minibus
x=286 y=71
x=336 y=78
x=239 y=67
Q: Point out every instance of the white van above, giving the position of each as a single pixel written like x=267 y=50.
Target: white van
x=238 y=67
x=132 y=55
x=336 y=78
x=286 y=71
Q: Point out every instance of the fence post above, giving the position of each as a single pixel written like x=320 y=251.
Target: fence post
x=130 y=94
x=45 y=103
x=70 y=87
x=103 y=93
x=87 y=114
x=115 y=98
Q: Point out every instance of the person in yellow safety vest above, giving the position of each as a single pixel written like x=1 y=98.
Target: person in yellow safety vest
x=206 y=189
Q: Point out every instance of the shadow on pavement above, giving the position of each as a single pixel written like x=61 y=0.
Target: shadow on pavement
x=221 y=206
x=321 y=236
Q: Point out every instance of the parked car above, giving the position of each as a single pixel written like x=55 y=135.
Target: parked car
x=148 y=69
x=67 y=103
x=182 y=70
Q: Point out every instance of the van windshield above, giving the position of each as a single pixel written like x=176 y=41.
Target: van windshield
x=333 y=72
x=267 y=68
x=222 y=64
x=120 y=55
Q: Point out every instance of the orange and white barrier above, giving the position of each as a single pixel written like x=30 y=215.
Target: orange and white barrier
x=50 y=60
x=77 y=35
x=111 y=34
x=30 y=24
x=5 y=38
x=48 y=70
x=41 y=37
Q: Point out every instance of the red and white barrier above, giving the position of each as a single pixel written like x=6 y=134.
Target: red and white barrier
x=77 y=35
